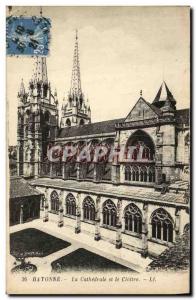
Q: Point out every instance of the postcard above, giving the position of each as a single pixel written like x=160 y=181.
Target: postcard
x=98 y=147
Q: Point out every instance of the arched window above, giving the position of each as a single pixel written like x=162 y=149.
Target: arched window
x=54 y=199
x=133 y=219
x=109 y=213
x=68 y=122
x=89 y=209
x=187 y=228
x=70 y=205
x=81 y=122
x=162 y=225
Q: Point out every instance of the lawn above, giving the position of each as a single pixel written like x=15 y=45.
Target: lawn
x=32 y=242
x=84 y=260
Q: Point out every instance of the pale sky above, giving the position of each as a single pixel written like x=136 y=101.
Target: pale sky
x=122 y=50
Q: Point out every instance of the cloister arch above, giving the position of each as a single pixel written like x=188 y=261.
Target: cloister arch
x=70 y=205
x=54 y=202
x=133 y=218
x=88 y=209
x=162 y=225
x=109 y=213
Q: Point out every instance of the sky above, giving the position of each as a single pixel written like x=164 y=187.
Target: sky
x=122 y=50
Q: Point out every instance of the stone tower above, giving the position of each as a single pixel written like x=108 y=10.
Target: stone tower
x=75 y=110
x=166 y=134
x=37 y=121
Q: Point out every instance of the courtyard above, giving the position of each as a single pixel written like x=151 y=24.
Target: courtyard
x=32 y=242
x=84 y=260
x=54 y=249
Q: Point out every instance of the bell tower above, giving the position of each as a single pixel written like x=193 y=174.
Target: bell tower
x=76 y=110
x=37 y=120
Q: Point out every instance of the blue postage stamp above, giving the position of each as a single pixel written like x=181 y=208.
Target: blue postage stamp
x=27 y=35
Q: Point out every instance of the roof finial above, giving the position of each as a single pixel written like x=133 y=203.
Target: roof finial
x=76 y=34
x=141 y=93
x=40 y=11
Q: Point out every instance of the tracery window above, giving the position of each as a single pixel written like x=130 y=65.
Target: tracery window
x=54 y=199
x=140 y=173
x=70 y=205
x=133 y=219
x=109 y=213
x=162 y=225
x=89 y=209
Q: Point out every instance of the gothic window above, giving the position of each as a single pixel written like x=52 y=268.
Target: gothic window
x=109 y=213
x=133 y=219
x=54 y=198
x=146 y=153
x=81 y=122
x=162 y=225
x=89 y=209
x=128 y=173
x=70 y=204
x=45 y=89
x=134 y=155
x=68 y=122
x=187 y=228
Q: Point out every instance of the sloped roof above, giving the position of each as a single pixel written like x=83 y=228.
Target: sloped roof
x=182 y=116
x=19 y=188
x=164 y=94
x=89 y=129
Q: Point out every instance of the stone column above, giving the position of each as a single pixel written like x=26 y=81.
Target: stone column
x=46 y=217
x=177 y=223
x=78 y=214
x=115 y=173
x=144 y=252
x=158 y=175
x=80 y=169
x=21 y=214
x=97 y=220
x=96 y=173
x=60 y=222
x=65 y=170
x=116 y=164
x=119 y=225
x=51 y=170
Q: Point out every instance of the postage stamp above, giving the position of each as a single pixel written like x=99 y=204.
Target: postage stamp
x=27 y=35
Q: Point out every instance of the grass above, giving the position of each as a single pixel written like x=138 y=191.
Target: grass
x=84 y=260
x=34 y=243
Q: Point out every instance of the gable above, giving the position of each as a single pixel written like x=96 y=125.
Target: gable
x=141 y=111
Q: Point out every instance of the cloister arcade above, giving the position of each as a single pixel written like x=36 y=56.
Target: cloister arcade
x=160 y=222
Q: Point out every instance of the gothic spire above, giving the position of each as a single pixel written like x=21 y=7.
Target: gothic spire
x=22 y=88
x=76 y=89
x=40 y=73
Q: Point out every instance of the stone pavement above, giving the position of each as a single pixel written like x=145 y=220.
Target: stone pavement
x=122 y=256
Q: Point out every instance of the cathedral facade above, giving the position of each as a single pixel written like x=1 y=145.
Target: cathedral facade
x=124 y=180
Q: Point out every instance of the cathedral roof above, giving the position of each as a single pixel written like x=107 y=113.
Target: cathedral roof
x=20 y=188
x=90 y=129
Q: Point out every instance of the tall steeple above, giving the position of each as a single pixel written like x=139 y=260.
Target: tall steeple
x=40 y=72
x=76 y=90
x=77 y=110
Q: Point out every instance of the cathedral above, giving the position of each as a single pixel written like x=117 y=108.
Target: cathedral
x=125 y=180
